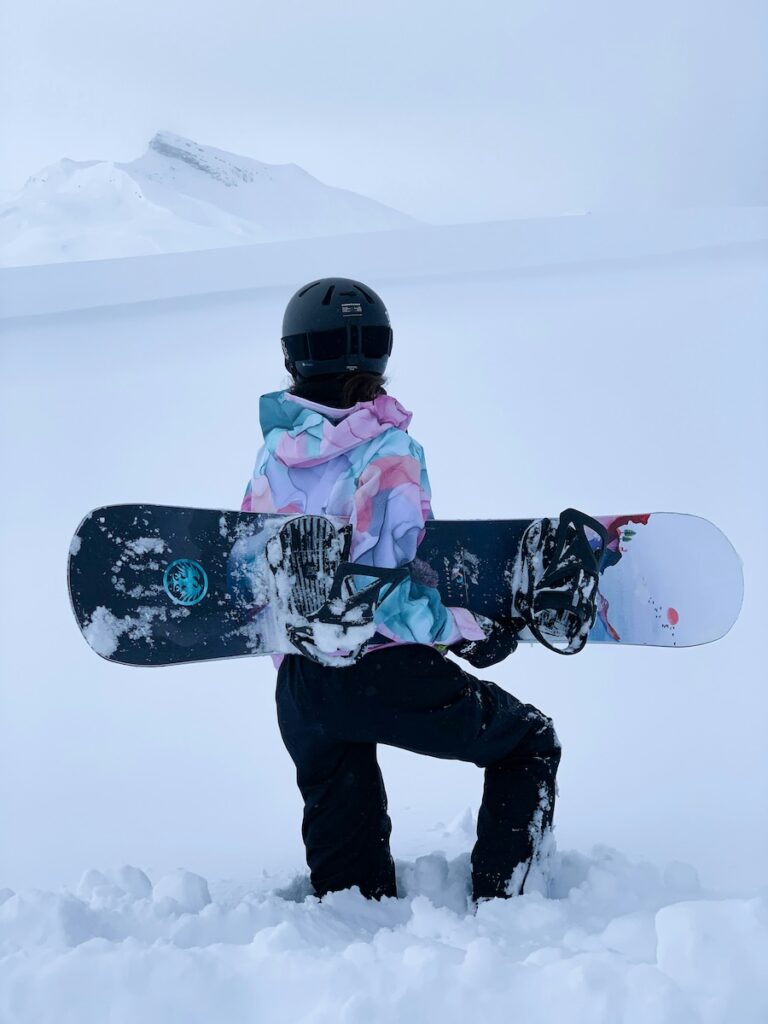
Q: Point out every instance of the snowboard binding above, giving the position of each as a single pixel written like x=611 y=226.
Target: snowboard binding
x=556 y=579
x=326 y=617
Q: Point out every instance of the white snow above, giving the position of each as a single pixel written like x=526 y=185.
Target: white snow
x=187 y=891
x=423 y=256
x=609 y=941
x=145 y=546
x=104 y=630
x=177 y=196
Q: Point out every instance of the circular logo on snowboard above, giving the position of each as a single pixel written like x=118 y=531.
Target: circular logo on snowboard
x=185 y=582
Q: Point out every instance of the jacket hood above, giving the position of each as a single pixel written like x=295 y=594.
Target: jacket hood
x=303 y=433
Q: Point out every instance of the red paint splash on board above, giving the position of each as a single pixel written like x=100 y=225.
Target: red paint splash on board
x=673 y=616
x=614 y=524
x=602 y=611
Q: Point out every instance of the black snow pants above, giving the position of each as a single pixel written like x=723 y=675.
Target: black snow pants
x=411 y=697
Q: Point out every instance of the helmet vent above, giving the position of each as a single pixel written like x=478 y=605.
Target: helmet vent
x=309 y=288
x=365 y=293
x=327 y=296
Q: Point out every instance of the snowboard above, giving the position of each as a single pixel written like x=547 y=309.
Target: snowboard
x=160 y=585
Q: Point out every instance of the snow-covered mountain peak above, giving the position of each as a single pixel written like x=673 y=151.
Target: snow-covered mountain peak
x=178 y=195
x=59 y=173
x=169 y=154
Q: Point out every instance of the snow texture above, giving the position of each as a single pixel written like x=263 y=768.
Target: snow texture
x=602 y=940
x=145 y=546
x=104 y=630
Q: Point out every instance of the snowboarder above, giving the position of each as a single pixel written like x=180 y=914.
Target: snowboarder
x=336 y=443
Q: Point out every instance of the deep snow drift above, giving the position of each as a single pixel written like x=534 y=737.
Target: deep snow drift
x=177 y=196
x=606 y=941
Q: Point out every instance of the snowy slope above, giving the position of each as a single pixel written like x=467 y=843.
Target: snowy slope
x=613 y=943
x=422 y=253
x=656 y=327
x=179 y=195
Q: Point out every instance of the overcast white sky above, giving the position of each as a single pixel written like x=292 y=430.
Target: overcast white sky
x=449 y=111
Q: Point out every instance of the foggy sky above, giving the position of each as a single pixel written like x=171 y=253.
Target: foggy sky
x=448 y=111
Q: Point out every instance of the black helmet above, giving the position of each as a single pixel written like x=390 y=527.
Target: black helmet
x=336 y=326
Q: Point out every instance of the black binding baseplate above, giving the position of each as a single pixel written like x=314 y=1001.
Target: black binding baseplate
x=316 y=588
x=556 y=579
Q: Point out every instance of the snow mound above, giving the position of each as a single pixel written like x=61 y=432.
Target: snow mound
x=177 y=196
x=611 y=941
x=188 y=891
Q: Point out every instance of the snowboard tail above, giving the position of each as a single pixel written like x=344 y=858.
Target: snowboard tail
x=157 y=585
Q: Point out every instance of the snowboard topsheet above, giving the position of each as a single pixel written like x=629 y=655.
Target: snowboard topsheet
x=158 y=585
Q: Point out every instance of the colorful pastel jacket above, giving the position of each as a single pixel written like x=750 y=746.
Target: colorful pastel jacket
x=359 y=464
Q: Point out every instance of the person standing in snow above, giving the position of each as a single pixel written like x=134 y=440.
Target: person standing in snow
x=336 y=443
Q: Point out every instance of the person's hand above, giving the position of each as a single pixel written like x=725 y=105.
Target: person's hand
x=499 y=642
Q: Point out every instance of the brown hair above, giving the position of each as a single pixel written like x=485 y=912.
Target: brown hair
x=340 y=391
